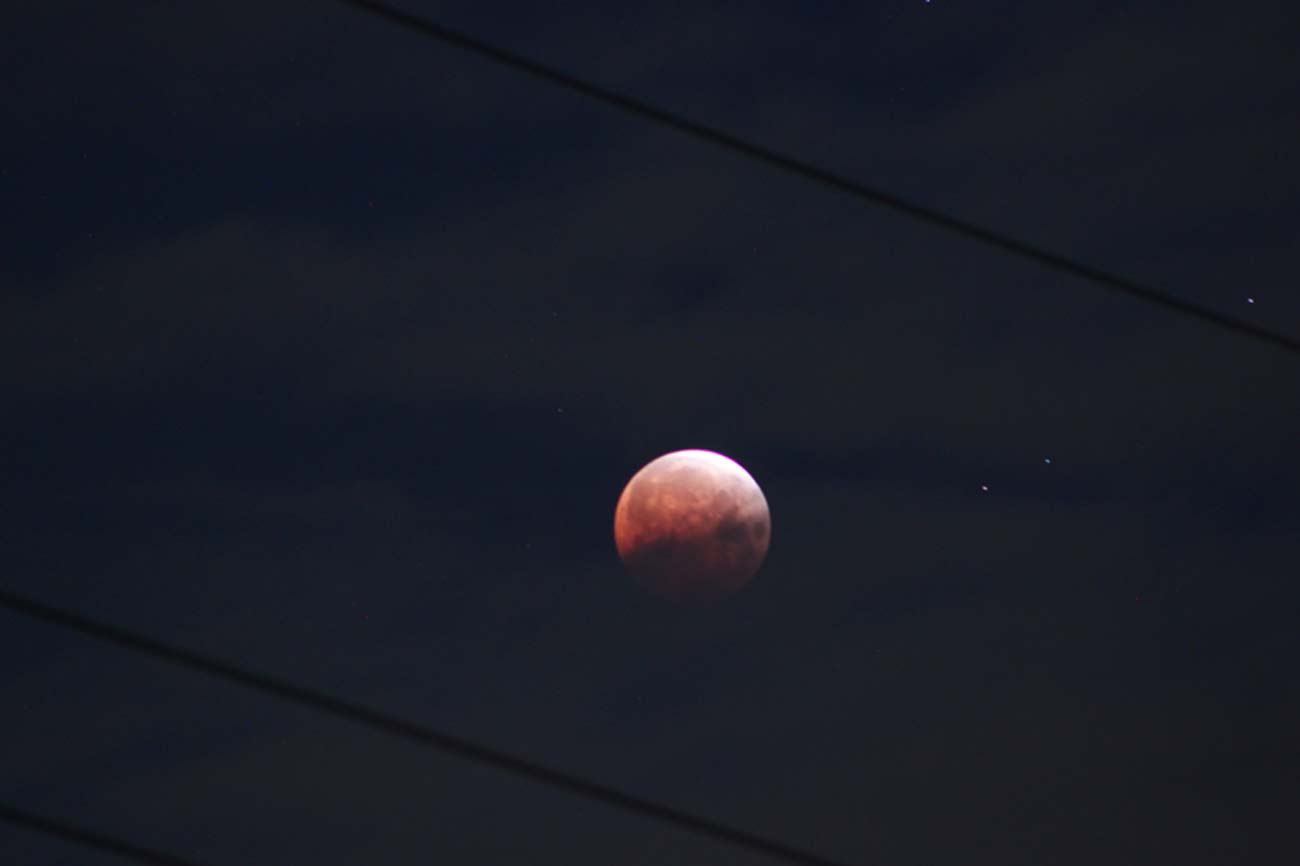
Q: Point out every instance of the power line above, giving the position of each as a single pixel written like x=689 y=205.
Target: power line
x=809 y=171
x=393 y=725
x=89 y=838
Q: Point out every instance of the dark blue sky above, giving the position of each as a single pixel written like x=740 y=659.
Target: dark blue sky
x=328 y=350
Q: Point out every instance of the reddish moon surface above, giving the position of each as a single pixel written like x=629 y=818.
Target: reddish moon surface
x=692 y=526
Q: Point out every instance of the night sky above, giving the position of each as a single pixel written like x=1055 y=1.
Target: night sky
x=327 y=349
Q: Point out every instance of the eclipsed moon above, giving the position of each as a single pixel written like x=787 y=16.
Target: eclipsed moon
x=692 y=526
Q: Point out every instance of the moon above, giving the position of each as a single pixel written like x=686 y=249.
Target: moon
x=692 y=526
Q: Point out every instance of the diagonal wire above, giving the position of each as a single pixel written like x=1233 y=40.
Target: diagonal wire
x=89 y=838
x=394 y=725
x=809 y=171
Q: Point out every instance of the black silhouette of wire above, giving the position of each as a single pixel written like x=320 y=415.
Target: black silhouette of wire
x=393 y=725
x=89 y=838
x=809 y=171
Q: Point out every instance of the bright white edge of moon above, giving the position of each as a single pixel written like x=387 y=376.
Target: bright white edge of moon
x=718 y=461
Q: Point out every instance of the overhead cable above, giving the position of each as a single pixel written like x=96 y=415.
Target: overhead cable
x=809 y=171
x=342 y=708
x=87 y=838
